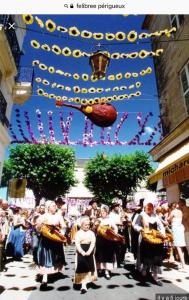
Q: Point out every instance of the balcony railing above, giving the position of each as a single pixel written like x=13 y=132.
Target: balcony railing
x=25 y=75
x=22 y=90
x=3 y=107
x=6 y=20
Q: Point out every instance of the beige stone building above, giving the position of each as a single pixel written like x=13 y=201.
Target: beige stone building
x=79 y=196
x=15 y=82
x=172 y=74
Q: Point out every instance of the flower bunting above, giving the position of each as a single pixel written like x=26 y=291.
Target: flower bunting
x=76 y=76
x=91 y=90
x=77 y=53
x=73 y=31
x=87 y=135
x=90 y=101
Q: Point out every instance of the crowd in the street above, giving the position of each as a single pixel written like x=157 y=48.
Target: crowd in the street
x=102 y=236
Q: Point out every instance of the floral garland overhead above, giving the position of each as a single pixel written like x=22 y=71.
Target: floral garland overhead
x=85 y=101
x=73 y=31
x=77 y=53
x=87 y=136
x=91 y=90
x=87 y=77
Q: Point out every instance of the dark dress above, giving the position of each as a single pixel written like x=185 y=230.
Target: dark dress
x=105 y=250
x=85 y=264
x=50 y=254
x=151 y=254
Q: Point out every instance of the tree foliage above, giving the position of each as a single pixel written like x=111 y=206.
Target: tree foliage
x=7 y=174
x=49 y=169
x=116 y=176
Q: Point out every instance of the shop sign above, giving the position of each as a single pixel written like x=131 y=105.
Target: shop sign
x=176 y=173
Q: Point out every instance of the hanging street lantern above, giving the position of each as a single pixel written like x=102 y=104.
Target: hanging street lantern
x=99 y=62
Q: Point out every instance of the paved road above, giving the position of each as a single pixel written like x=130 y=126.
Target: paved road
x=18 y=283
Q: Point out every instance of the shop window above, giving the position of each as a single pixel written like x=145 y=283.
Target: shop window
x=184 y=77
x=176 y=20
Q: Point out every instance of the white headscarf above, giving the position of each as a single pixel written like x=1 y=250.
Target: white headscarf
x=49 y=203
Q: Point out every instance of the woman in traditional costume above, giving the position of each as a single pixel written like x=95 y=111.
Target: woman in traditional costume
x=151 y=253
x=85 y=266
x=106 y=249
x=15 y=244
x=50 y=254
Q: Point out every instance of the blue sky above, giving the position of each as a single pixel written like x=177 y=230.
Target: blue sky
x=147 y=102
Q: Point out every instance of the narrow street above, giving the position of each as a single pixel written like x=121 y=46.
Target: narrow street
x=19 y=283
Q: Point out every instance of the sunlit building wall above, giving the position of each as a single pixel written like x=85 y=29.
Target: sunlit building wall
x=14 y=88
x=172 y=74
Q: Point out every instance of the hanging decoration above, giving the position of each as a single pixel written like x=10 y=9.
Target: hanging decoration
x=92 y=90
x=85 y=101
x=19 y=125
x=86 y=77
x=119 y=36
x=102 y=115
x=87 y=136
x=30 y=131
x=66 y=51
x=99 y=62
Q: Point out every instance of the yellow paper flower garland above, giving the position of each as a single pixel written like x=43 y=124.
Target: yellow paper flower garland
x=76 y=76
x=91 y=90
x=28 y=19
x=131 y=36
x=77 y=53
x=86 y=101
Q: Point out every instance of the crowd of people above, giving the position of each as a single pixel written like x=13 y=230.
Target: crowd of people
x=101 y=235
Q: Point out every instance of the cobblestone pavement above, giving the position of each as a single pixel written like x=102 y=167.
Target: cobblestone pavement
x=19 y=283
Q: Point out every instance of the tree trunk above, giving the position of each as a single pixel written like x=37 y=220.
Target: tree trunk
x=37 y=199
x=124 y=202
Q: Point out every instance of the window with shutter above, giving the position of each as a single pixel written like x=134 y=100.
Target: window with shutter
x=184 y=77
x=176 y=20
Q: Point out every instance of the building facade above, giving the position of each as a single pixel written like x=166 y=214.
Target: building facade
x=79 y=196
x=15 y=81
x=172 y=75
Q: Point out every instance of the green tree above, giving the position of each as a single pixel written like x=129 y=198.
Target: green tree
x=116 y=176
x=7 y=174
x=49 y=169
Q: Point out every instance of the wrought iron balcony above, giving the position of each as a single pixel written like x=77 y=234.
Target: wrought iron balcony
x=6 y=20
x=25 y=75
x=3 y=107
x=22 y=90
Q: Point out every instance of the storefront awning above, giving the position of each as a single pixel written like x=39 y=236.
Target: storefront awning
x=174 y=167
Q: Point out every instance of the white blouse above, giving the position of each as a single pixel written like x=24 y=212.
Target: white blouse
x=51 y=219
x=144 y=218
x=85 y=237
x=110 y=222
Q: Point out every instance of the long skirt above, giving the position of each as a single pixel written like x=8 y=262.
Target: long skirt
x=85 y=267
x=151 y=256
x=105 y=254
x=50 y=256
x=15 y=243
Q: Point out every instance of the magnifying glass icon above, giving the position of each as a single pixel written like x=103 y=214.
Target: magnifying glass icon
x=66 y=5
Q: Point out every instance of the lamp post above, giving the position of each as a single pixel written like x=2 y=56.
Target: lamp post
x=99 y=62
